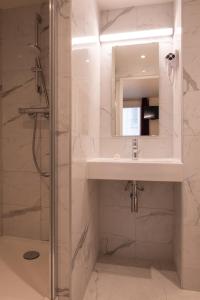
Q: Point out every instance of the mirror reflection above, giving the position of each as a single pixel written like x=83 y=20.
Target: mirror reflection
x=136 y=90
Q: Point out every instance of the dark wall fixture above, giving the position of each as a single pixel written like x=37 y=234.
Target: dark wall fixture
x=145 y=122
x=151 y=112
x=148 y=113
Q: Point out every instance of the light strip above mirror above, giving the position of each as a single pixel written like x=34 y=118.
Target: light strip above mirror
x=135 y=35
x=85 y=40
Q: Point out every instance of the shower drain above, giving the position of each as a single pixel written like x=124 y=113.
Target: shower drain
x=30 y=255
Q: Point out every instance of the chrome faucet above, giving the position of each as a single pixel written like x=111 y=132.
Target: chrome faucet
x=135 y=148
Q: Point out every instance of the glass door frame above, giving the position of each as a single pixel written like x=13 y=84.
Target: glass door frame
x=53 y=152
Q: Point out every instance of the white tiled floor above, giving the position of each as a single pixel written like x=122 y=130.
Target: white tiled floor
x=21 y=279
x=114 y=282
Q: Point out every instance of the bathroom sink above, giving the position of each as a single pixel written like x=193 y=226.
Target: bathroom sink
x=142 y=169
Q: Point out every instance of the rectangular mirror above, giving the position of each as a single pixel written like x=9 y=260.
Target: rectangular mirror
x=136 y=90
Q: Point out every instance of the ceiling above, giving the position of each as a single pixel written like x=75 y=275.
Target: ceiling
x=4 y=4
x=129 y=61
x=138 y=66
x=140 y=88
x=115 y=4
x=103 y=4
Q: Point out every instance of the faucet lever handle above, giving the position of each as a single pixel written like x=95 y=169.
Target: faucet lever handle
x=135 y=142
x=134 y=148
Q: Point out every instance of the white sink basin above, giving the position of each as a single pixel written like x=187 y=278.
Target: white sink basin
x=170 y=170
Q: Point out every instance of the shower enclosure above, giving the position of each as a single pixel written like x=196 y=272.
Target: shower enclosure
x=26 y=205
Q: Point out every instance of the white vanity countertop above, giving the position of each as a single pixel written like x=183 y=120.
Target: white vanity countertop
x=170 y=170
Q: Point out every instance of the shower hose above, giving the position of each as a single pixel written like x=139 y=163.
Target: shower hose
x=44 y=174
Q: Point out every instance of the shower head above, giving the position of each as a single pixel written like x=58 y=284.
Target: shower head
x=35 y=49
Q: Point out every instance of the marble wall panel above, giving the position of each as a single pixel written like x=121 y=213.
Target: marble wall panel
x=147 y=234
x=190 y=259
x=22 y=221
x=137 y=18
x=1 y=204
x=85 y=141
x=131 y=19
x=21 y=190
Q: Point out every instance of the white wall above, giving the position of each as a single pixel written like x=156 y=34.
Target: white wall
x=190 y=188
x=137 y=18
x=85 y=142
x=115 y=203
x=1 y=204
x=177 y=139
x=131 y=19
x=146 y=235
x=25 y=194
x=178 y=82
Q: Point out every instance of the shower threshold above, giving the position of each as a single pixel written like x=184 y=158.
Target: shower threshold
x=23 y=279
